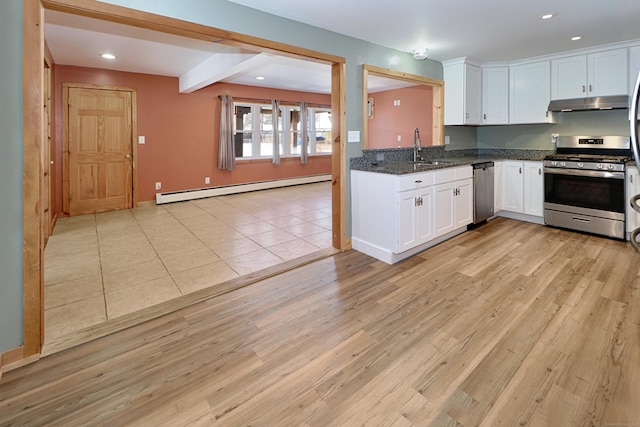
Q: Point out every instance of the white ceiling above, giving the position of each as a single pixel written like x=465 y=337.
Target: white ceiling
x=493 y=30
x=488 y=30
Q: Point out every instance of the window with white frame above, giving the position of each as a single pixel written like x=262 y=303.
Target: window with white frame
x=254 y=130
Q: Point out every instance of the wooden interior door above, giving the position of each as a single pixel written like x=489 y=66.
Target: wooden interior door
x=100 y=150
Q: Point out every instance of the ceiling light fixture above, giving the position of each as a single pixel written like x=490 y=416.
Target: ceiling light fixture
x=576 y=38
x=108 y=56
x=259 y=78
x=420 y=53
x=547 y=16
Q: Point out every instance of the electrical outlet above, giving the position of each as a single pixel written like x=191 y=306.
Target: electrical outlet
x=207 y=180
x=447 y=139
x=399 y=138
x=554 y=138
x=158 y=185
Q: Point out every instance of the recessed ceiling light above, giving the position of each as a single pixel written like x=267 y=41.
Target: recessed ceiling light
x=108 y=56
x=547 y=16
x=260 y=78
x=576 y=38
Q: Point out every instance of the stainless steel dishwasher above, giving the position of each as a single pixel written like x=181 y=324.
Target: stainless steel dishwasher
x=482 y=191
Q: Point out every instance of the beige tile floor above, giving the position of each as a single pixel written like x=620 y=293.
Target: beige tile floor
x=99 y=267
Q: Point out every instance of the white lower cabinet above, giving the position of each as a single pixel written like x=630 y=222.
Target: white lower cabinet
x=533 y=188
x=395 y=216
x=497 y=186
x=415 y=218
x=523 y=187
x=454 y=205
x=512 y=186
x=632 y=188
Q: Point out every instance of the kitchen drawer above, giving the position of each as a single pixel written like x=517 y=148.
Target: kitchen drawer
x=414 y=180
x=453 y=174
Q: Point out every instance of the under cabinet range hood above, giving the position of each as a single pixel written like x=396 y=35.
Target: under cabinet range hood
x=594 y=103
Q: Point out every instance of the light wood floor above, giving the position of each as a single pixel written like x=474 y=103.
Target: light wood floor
x=511 y=324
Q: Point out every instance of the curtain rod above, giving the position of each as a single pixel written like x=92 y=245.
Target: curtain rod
x=282 y=102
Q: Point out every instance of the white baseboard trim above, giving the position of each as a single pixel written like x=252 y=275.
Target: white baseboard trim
x=180 y=196
x=389 y=257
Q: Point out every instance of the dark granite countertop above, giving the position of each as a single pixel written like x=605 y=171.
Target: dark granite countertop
x=400 y=161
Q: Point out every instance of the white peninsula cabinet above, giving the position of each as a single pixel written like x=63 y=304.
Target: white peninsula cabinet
x=396 y=216
x=453 y=199
x=522 y=190
x=596 y=74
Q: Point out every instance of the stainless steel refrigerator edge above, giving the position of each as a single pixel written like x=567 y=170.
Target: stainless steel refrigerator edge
x=482 y=191
x=633 y=124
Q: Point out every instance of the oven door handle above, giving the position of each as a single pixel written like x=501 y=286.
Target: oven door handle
x=581 y=172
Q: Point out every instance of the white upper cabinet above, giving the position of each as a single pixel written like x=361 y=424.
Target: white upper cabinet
x=529 y=93
x=597 y=74
x=462 y=93
x=634 y=67
x=495 y=95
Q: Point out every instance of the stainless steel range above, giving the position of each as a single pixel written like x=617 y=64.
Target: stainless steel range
x=584 y=184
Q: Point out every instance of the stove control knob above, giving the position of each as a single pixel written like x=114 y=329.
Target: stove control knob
x=612 y=167
x=563 y=164
x=599 y=166
x=554 y=163
x=580 y=165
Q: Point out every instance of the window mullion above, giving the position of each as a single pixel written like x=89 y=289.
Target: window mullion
x=255 y=130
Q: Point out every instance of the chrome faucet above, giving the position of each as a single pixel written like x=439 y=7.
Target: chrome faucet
x=417 y=145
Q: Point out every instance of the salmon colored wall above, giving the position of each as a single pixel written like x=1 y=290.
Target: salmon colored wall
x=182 y=130
x=389 y=121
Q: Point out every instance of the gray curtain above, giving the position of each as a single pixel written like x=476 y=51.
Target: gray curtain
x=275 y=111
x=226 y=156
x=304 y=128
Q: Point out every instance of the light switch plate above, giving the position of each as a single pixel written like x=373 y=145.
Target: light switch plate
x=141 y=140
x=353 y=136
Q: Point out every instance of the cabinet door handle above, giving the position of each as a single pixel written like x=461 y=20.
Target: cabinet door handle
x=520 y=170
x=484 y=116
x=584 y=89
x=418 y=181
x=539 y=171
x=590 y=88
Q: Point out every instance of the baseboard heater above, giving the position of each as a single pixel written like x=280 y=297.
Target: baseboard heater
x=181 y=196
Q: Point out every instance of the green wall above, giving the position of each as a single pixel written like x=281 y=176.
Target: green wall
x=11 y=293
x=538 y=137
